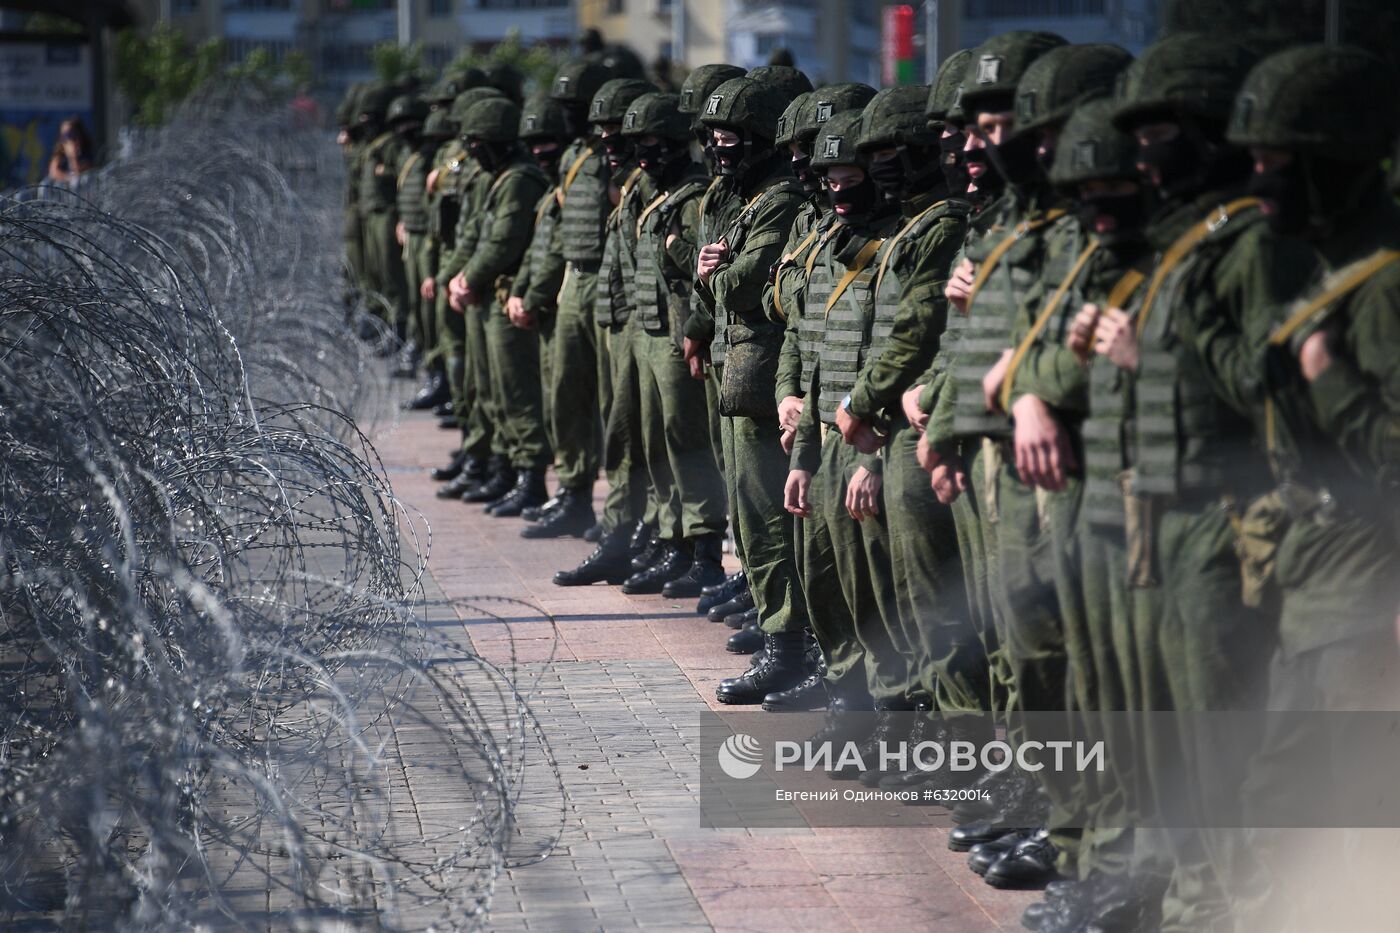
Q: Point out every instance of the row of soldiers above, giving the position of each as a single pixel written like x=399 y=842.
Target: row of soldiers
x=1067 y=383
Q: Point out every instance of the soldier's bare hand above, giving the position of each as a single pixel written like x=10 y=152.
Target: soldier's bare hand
x=795 y=493
x=949 y=480
x=457 y=293
x=1081 y=332
x=867 y=440
x=428 y=289
x=786 y=440
x=695 y=357
x=1116 y=338
x=711 y=256
x=789 y=412
x=927 y=455
x=863 y=494
x=1315 y=356
x=958 y=291
x=991 y=383
x=519 y=317
x=400 y=233
x=918 y=419
x=1044 y=456
x=432 y=180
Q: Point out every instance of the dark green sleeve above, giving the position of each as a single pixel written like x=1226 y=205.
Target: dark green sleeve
x=738 y=284
x=546 y=276
x=683 y=249
x=464 y=242
x=1232 y=307
x=1049 y=371
x=789 y=363
x=505 y=231
x=1357 y=398
x=919 y=324
x=807 y=446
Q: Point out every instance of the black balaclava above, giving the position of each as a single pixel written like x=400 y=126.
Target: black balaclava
x=915 y=170
x=666 y=160
x=1308 y=196
x=953 y=164
x=621 y=159
x=576 y=120
x=1130 y=211
x=746 y=162
x=548 y=161
x=803 y=172
x=490 y=155
x=1195 y=161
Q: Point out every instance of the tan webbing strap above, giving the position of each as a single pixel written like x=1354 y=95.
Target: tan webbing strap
x=408 y=164
x=500 y=180
x=1182 y=247
x=821 y=244
x=1041 y=321
x=994 y=258
x=577 y=167
x=789 y=257
x=880 y=276
x=863 y=259
x=1124 y=288
x=646 y=211
x=1344 y=282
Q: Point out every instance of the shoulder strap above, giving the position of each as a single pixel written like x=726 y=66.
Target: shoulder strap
x=646 y=211
x=510 y=171
x=1183 y=246
x=998 y=252
x=1343 y=283
x=913 y=222
x=816 y=250
x=790 y=257
x=574 y=169
x=1041 y=321
x=408 y=164
x=863 y=259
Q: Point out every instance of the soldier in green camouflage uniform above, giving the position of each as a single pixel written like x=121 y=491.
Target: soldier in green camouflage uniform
x=351 y=138
x=1319 y=120
x=506 y=221
x=1195 y=340
x=732 y=272
x=377 y=199
x=680 y=459
x=931 y=626
x=412 y=228
x=486 y=474
x=535 y=300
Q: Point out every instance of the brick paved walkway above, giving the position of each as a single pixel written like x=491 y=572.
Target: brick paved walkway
x=617 y=682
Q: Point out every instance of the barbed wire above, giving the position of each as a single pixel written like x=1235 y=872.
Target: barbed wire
x=220 y=689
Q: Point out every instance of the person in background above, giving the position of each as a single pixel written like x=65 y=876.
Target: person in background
x=72 y=152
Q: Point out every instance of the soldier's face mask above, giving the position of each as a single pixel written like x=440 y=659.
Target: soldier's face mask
x=951 y=161
x=725 y=159
x=802 y=169
x=854 y=202
x=618 y=148
x=1115 y=218
x=485 y=153
x=891 y=175
x=1284 y=190
x=1015 y=160
x=547 y=156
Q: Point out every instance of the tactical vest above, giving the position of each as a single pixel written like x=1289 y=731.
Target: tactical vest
x=658 y=284
x=1108 y=434
x=546 y=220
x=379 y=190
x=413 y=192
x=586 y=204
x=445 y=202
x=735 y=235
x=888 y=281
x=615 y=279
x=1187 y=439
x=853 y=332
x=986 y=332
x=811 y=325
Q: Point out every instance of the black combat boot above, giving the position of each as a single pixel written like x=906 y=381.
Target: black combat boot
x=453 y=469
x=536 y=512
x=529 y=490
x=449 y=422
x=471 y=475
x=783 y=664
x=706 y=569
x=571 y=518
x=740 y=603
x=672 y=561
x=1031 y=864
x=809 y=693
x=594 y=534
x=610 y=562
x=847 y=720
x=723 y=592
x=741 y=619
x=445 y=410
x=984 y=855
x=498 y=481
x=888 y=721
x=922 y=728
x=407 y=366
x=745 y=641
x=644 y=546
x=435 y=391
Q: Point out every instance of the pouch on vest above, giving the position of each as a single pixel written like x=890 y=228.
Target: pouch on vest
x=1258 y=534
x=750 y=379
x=1140 y=515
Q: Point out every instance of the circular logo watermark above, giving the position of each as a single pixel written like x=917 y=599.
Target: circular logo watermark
x=740 y=756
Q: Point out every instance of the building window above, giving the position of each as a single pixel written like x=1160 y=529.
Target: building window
x=246 y=6
x=616 y=6
x=439 y=7
x=521 y=4
x=1012 y=9
x=185 y=6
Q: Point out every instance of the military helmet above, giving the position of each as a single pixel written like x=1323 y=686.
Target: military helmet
x=542 y=117
x=701 y=83
x=836 y=141
x=468 y=76
x=406 y=108
x=577 y=81
x=946 y=84
x=374 y=100
x=1063 y=78
x=349 y=105
x=439 y=125
x=507 y=79
x=1183 y=75
x=787 y=123
x=493 y=120
x=622 y=62
x=996 y=66
x=445 y=89
x=610 y=104
x=1091 y=148
x=656 y=114
x=825 y=103
x=745 y=105
x=468 y=98
x=785 y=78
x=1333 y=100
x=895 y=117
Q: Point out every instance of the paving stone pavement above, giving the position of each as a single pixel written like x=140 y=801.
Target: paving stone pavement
x=617 y=684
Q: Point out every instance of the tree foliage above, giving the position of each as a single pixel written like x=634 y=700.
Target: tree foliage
x=537 y=63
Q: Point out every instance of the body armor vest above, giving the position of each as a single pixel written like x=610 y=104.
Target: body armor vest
x=546 y=220
x=1108 y=442
x=850 y=328
x=413 y=192
x=658 y=285
x=986 y=332
x=446 y=201
x=379 y=190
x=1187 y=439
x=735 y=235
x=586 y=203
x=615 y=280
